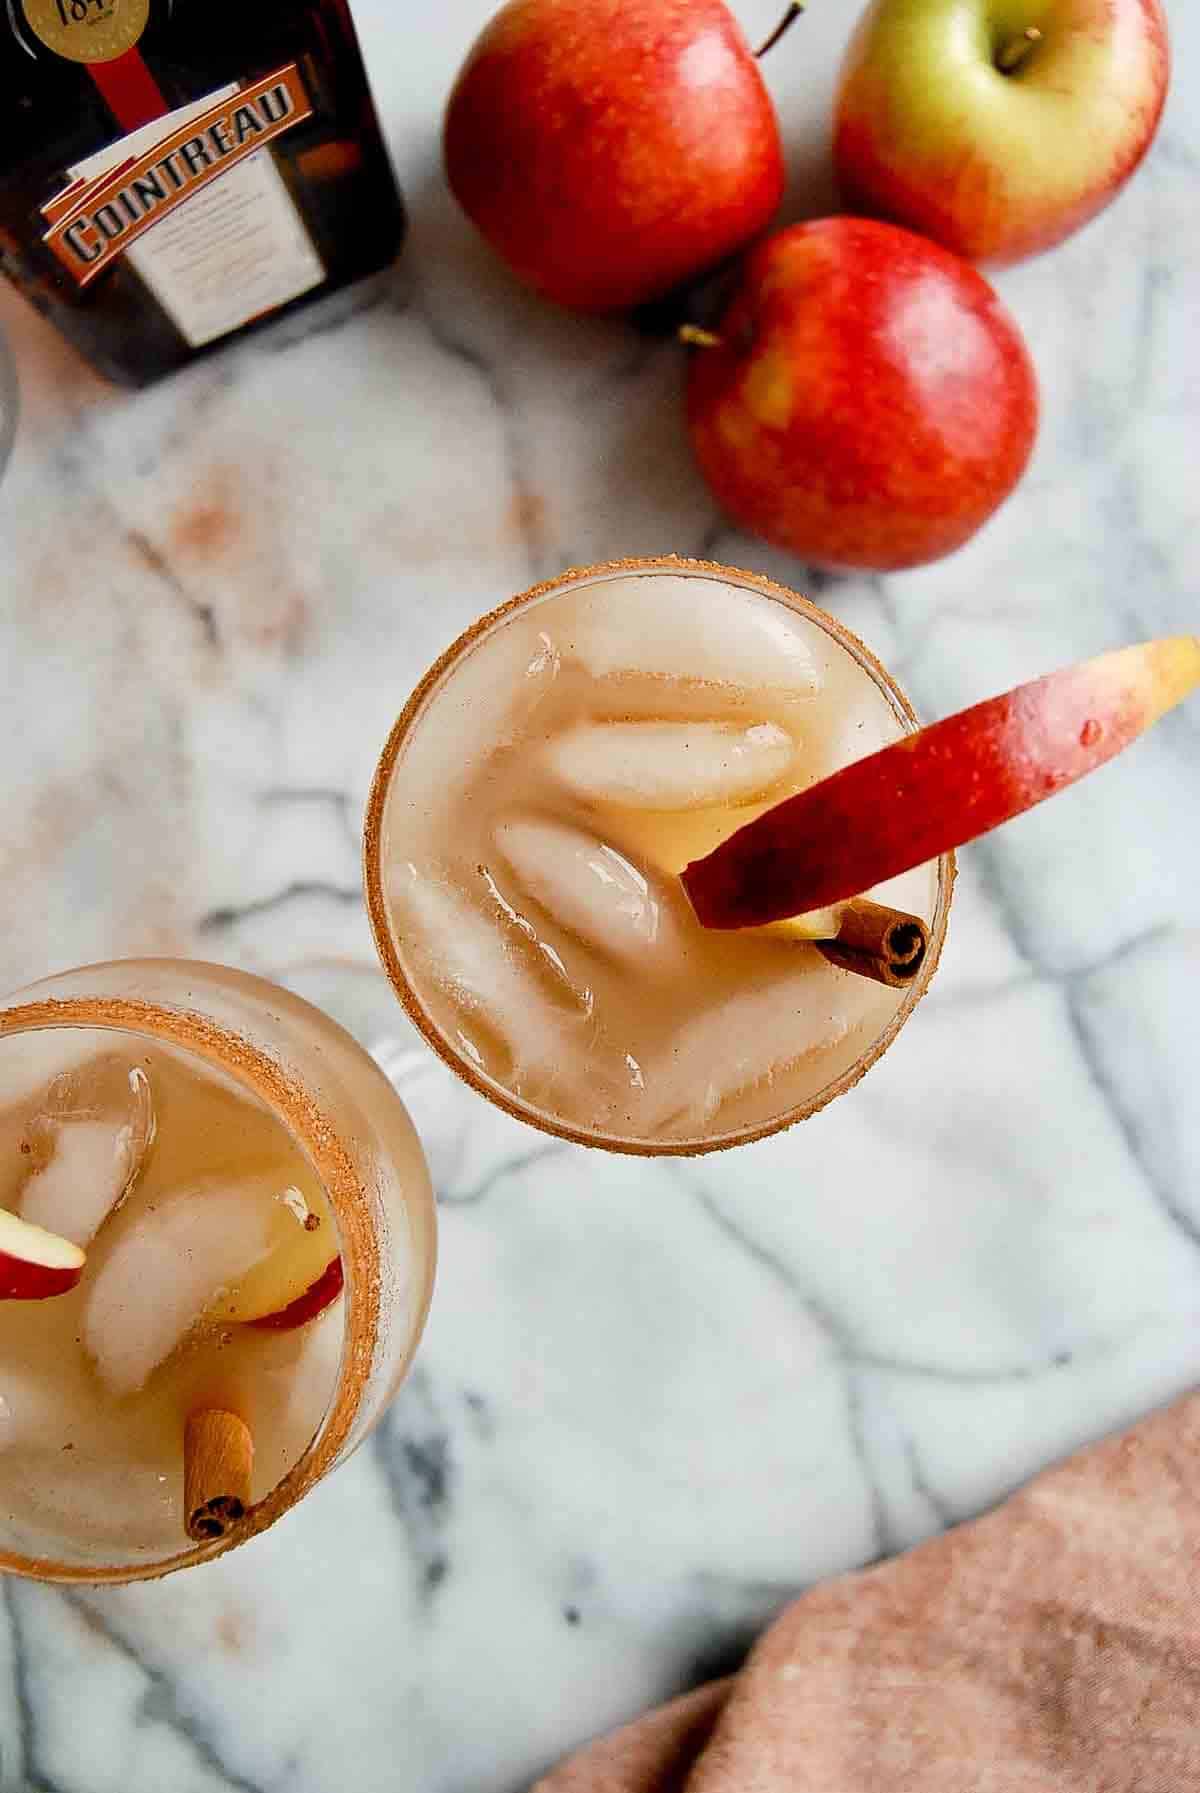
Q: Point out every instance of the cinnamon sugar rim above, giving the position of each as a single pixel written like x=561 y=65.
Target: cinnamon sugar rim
x=290 y=1102
x=385 y=944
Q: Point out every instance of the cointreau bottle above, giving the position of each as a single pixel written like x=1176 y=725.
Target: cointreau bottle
x=173 y=172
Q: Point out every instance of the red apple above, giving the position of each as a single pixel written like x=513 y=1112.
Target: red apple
x=939 y=788
x=34 y=1263
x=866 y=402
x=610 y=149
x=307 y=1306
x=998 y=127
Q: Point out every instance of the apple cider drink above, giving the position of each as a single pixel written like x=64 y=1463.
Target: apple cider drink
x=534 y=807
x=176 y=1330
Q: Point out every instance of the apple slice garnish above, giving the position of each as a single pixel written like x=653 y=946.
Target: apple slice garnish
x=33 y=1263
x=299 y=1276
x=313 y=1301
x=939 y=788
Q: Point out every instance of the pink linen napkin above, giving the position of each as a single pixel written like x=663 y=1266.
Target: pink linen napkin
x=1050 y=1647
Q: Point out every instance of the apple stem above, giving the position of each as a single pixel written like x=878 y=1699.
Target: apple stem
x=697 y=338
x=1013 y=54
x=786 y=22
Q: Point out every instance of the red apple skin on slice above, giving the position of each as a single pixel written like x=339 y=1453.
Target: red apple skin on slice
x=314 y=1301
x=35 y=1264
x=939 y=788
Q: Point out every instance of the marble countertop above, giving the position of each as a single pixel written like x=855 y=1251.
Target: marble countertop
x=655 y=1400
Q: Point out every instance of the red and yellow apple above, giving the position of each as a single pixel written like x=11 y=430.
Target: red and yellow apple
x=998 y=127
x=938 y=788
x=866 y=401
x=35 y=1264
x=611 y=149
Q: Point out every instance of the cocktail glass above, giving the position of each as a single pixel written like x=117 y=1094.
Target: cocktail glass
x=177 y=1116
x=543 y=787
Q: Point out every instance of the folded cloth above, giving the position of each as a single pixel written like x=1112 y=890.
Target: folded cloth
x=1051 y=1647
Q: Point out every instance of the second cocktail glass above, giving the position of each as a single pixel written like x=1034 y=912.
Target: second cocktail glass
x=542 y=789
x=218 y=1239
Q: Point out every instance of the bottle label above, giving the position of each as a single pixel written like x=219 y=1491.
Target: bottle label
x=88 y=30
x=197 y=204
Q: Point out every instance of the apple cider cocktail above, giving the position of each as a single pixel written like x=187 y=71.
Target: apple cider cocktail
x=539 y=797
x=216 y=1243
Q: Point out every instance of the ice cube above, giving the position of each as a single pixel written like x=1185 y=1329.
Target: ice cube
x=170 y=1265
x=592 y=891
x=493 y=973
x=671 y=765
x=749 y=1041
x=499 y=980
x=662 y=625
x=576 y=997
x=30 y=1061
x=86 y=1145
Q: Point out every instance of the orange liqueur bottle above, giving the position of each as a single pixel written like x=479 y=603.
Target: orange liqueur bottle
x=174 y=172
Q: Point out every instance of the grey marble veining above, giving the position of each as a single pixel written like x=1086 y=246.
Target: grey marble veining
x=655 y=1399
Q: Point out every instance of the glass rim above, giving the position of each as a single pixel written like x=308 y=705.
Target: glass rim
x=289 y=1101
x=376 y=901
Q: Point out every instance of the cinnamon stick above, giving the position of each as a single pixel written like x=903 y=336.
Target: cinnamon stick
x=877 y=942
x=218 y=1457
